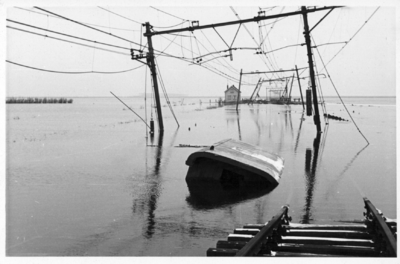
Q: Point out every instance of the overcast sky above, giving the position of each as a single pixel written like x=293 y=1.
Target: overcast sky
x=365 y=66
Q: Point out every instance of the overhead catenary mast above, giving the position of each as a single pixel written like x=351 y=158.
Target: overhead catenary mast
x=317 y=121
x=152 y=65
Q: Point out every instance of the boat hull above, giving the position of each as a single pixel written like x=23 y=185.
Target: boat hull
x=233 y=163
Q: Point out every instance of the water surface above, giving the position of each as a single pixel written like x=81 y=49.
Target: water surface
x=85 y=179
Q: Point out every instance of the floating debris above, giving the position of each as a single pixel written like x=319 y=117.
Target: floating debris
x=335 y=117
x=190 y=146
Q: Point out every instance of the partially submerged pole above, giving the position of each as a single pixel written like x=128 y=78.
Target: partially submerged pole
x=291 y=86
x=152 y=66
x=240 y=82
x=311 y=66
x=301 y=94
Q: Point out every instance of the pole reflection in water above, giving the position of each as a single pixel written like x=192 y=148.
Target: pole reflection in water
x=298 y=133
x=256 y=118
x=154 y=189
x=310 y=169
x=238 y=122
x=146 y=202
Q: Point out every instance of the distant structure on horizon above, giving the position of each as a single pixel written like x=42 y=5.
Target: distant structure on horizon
x=231 y=94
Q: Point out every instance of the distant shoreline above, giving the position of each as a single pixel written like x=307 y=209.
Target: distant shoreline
x=189 y=96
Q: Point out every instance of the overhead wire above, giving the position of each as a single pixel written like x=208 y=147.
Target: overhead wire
x=226 y=63
x=169 y=14
x=110 y=34
x=79 y=23
x=90 y=24
x=59 y=16
x=353 y=36
x=74 y=72
x=262 y=41
x=188 y=50
x=340 y=96
x=298 y=32
x=169 y=26
x=120 y=15
x=64 y=40
x=252 y=37
x=165 y=93
x=67 y=35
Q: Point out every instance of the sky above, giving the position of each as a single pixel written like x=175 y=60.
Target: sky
x=364 y=66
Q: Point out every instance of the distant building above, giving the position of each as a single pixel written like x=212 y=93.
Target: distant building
x=231 y=94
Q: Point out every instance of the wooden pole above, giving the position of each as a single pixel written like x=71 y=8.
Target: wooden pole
x=311 y=66
x=152 y=66
x=298 y=79
x=291 y=86
x=237 y=99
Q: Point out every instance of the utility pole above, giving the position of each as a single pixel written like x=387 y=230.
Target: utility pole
x=152 y=65
x=290 y=92
x=317 y=121
x=240 y=82
x=298 y=79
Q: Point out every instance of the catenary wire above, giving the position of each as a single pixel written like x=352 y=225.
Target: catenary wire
x=90 y=24
x=64 y=40
x=67 y=35
x=79 y=23
x=352 y=36
x=65 y=72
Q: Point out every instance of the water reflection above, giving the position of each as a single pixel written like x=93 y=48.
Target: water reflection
x=211 y=195
x=154 y=188
x=298 y=133
x=146 y=202
x=310 y=169
x=256 y=118
x=238 y=122
x=231 y=117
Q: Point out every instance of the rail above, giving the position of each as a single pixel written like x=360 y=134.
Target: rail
x=255 y=244
x=375 y=220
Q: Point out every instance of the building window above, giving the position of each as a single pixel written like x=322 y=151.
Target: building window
x=234 y=97
x=229 y=97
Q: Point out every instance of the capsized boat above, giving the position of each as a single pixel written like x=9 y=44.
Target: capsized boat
x=234 y=163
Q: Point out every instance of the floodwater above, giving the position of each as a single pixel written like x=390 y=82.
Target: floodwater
x=83 y=179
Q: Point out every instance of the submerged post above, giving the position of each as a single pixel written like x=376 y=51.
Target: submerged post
x=152 y=66
x=240 y=82
x=311 y=66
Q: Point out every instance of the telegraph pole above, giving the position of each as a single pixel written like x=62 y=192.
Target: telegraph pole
x=298 y=79
x=152 y=65
x=317 y=121
x=240 y=82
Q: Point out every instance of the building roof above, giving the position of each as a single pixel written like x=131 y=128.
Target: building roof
x=232 y=88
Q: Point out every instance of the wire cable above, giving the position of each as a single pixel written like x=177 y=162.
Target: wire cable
x=352 y=36
x=64 y=40
x=165 y=93
x=340 y=96
x=32 y=11
x=65 y=72
x=170 y=26
x=67 y=35
x=120 y=15
x=76 y=43
x=79 y=23
x=169 y=14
